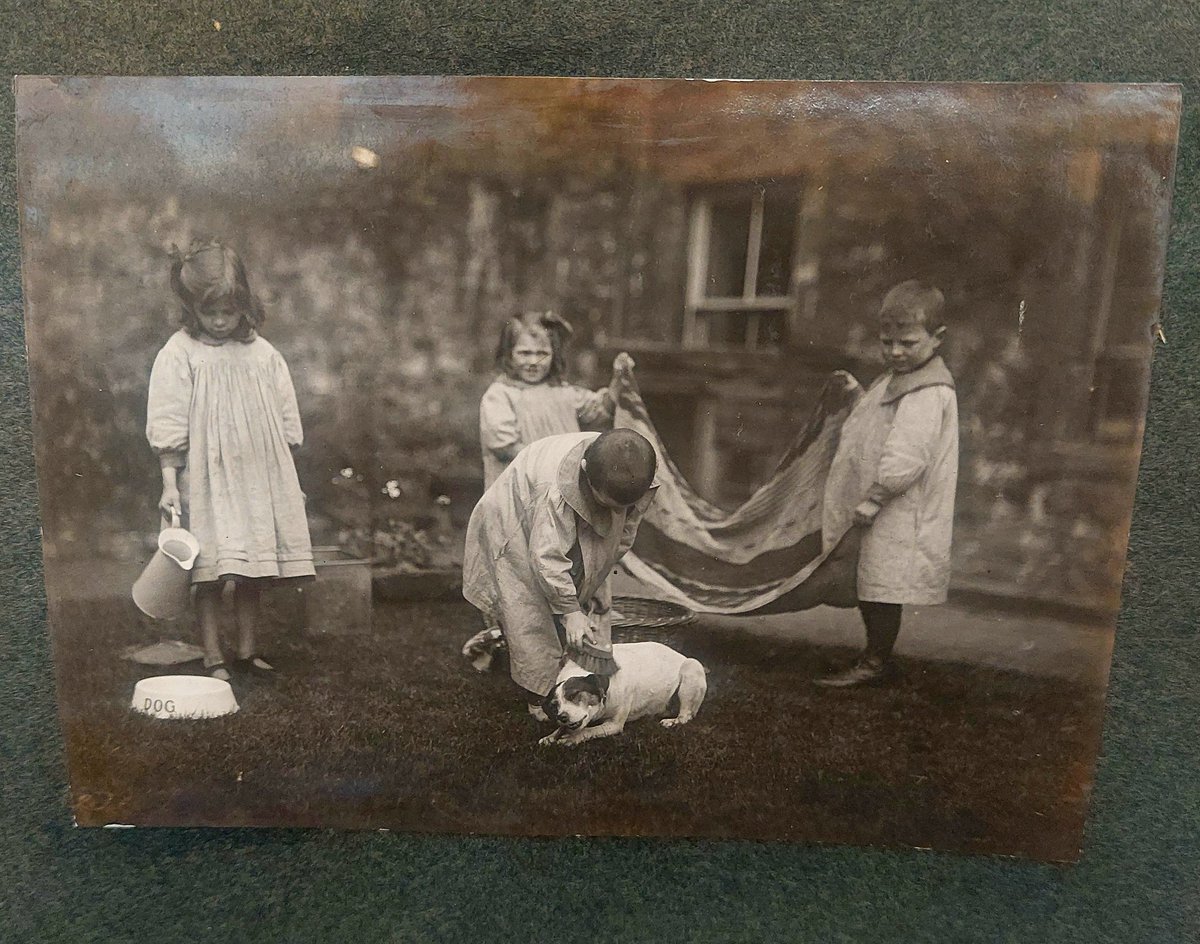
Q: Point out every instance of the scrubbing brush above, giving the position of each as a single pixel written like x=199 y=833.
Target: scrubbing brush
x=592 y=658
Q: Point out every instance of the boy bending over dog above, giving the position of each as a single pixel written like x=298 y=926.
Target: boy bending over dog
x=542 y=543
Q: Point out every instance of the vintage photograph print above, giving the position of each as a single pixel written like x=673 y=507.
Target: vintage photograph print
x=554 y=457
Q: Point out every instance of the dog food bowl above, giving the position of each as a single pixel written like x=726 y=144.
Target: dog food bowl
x=183 y=696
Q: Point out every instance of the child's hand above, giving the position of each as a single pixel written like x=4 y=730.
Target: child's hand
x=841 y=391
x=864 y=514
x=169 y=505
x=623 y=364
x=621 y=376
x=578 y=628
x=846 y=379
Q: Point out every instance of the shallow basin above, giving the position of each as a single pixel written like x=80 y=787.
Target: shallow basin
x=183 y=696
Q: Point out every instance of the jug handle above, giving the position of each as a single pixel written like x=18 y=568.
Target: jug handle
x=173 y=521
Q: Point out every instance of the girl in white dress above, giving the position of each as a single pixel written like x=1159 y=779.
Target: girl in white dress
x=531 y=397
x=223 y=420
x=529 y=400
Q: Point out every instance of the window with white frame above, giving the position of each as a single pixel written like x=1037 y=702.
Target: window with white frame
x=741 y=253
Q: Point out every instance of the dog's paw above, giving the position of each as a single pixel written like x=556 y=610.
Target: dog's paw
x=673 y=722
x=550 y=739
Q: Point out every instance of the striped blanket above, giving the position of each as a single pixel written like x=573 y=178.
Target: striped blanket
x=765 y=556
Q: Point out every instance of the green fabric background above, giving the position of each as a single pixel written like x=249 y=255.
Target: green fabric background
x=1139 y=879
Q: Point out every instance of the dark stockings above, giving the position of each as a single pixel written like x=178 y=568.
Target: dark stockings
x=883 y=626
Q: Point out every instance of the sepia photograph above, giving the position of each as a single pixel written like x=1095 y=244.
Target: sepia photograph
x=560 y=457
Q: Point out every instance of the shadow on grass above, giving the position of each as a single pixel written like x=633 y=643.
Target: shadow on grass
x=396 y=731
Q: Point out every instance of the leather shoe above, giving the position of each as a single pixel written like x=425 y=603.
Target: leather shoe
x=481 y=649
x=865 y=671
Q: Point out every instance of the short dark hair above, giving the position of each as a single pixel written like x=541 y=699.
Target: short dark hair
x=913 y=302
x=621 y=464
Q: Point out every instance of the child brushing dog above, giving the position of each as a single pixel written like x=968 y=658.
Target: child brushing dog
x=530 y=399
x=542 y=543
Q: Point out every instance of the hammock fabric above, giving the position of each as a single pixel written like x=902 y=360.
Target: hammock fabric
x=763 y=557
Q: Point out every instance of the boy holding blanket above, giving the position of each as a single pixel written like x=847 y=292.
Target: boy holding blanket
x=894 y=476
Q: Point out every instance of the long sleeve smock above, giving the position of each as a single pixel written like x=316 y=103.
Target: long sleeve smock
x=899 y=449
x=512 y=414
x=225 y=414
x=539 y=546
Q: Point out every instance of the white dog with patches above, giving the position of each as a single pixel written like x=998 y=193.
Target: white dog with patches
x=649 y=677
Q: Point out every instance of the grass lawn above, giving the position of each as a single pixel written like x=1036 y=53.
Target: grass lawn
x=396 y=731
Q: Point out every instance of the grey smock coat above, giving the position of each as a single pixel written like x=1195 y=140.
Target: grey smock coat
x=899 y=449
x=538 y=547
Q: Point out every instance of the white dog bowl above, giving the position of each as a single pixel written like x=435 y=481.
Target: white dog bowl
x=183 y=696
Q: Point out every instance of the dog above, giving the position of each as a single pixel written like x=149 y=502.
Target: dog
x=649 y=677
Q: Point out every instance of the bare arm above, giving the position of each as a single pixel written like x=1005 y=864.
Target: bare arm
x=170 y=503
x=167 y=421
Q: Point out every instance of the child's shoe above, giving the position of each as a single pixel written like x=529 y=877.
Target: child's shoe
x=869 y=670
x=480 y=650
x=254 y=665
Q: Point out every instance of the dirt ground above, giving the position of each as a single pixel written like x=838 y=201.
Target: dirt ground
x=393 y=730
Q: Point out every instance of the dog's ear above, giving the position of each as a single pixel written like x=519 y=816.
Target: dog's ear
x=548 y=703
x=597 y=684
x=594 y=685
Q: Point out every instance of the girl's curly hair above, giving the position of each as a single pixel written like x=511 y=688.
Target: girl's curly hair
x=206 y=275
x=555 y=327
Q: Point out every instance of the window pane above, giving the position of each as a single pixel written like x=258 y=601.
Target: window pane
x=728 y=238
x=772 y=328
x=762 y=330
x=725 y=328
x=778 y=235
